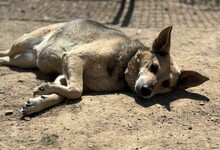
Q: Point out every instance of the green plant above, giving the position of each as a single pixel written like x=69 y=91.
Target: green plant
x=49 y=139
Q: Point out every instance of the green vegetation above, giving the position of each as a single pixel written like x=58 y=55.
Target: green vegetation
x=49 y=139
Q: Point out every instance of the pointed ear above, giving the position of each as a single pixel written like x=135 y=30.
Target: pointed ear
x=161 y=44
x=190 y=79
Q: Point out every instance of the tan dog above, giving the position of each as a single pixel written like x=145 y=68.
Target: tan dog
x=89 y=56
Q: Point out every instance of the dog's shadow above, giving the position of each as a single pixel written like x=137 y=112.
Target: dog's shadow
x=166 y=99
x=37 y=72
x=163 y=100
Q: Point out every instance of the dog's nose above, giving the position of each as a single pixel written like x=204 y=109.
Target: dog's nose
x=146 y=90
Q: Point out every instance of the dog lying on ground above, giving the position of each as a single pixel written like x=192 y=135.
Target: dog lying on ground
x=88 y=56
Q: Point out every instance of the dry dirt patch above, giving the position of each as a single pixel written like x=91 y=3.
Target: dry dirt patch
x=180 y=120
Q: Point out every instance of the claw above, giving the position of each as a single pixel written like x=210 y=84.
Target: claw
x=42 y=96
x=41 y=89
x=31 y=106
x=28 y=104
x=22 y=110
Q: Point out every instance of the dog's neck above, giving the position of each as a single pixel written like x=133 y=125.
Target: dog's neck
x=123 y=59
x=131 y=72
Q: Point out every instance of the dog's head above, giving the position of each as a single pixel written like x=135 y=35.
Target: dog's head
x=154 y=71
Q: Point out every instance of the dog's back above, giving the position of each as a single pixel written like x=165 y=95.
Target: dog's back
x=82 y=31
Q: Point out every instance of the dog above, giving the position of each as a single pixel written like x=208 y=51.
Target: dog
x=88 y=56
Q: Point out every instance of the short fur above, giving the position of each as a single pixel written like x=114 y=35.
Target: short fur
x=88 y=56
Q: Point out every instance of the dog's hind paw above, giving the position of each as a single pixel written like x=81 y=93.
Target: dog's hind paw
x=33 y=105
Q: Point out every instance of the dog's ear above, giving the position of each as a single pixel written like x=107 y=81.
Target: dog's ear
x=161 y=44
x=189 y=79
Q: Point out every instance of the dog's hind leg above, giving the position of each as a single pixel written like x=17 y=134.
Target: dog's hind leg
x=25 y=60
x=28 y=41
x=22 y=53
x=23 y=44
x=42 y=102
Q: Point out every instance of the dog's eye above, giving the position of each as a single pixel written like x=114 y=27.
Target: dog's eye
x=154 y=68
x=166 y=83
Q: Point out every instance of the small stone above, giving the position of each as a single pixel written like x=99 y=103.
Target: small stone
x=22 y=11
x=20 y=128
x=129 y=125
x=91 y=146
x=138 y=31
x=1 y=91
x=21 y=80
x=33 y=139
x=202 y=103
x=27 y=118
x=214 y=119
x=166 y=9
x=9 y=112
x=189 y=128
x=32 y=7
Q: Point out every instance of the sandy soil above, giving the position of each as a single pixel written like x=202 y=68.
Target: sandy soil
x=180 y=120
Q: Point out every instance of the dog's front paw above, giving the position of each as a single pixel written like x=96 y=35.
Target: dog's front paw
x=42 y=89
x=33 y=105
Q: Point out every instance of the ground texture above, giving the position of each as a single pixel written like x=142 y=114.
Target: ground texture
x=180 y=120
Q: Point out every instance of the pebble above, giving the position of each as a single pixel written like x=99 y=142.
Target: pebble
x=214 y=119
x=138 y=31
x=9 y=112
x=202 y=103
x=27 y=118
x=129 y=125
x=166 y=9
x=91 y=146
x=1 y=91
x=33 y=139
x=21 y=80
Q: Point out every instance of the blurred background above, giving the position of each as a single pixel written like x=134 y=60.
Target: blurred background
x=123 y=13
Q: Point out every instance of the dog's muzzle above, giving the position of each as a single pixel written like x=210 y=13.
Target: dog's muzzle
x=144 y=90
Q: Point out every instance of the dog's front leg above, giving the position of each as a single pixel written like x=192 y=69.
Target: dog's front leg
x=73 y=72
x=42 y=102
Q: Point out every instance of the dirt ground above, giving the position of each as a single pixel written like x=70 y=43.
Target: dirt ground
x=180 y=120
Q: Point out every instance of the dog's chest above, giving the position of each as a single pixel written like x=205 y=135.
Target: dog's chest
x=97 y=78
